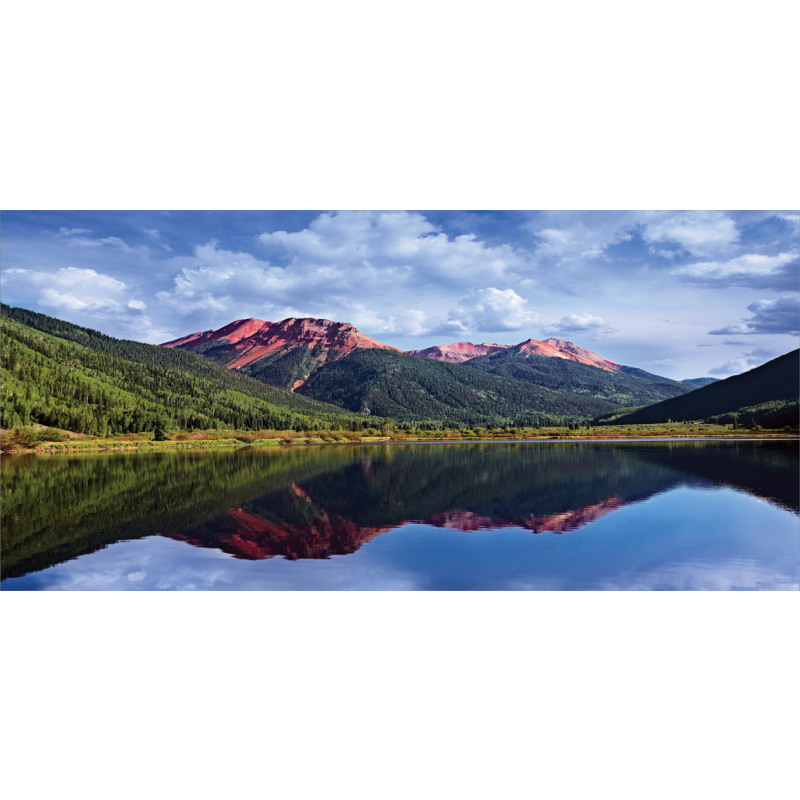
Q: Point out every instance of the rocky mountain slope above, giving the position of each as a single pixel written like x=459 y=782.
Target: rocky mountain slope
x=459 y=352
x=283 y=354
x=335 y=362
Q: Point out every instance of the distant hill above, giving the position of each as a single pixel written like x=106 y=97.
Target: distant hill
x=397 y=385
x=766 y=396
x=283 y=354
x=626 y=386
x=459 y=352
x=696 y=383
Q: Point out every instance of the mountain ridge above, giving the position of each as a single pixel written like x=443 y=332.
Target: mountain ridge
x=459 y=352
x=284 y=353
x=764 y=395
x=288 y=353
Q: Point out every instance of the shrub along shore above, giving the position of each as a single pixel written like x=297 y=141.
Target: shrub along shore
x=38 y=439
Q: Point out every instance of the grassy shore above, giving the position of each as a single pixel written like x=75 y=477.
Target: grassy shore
x=38 y=439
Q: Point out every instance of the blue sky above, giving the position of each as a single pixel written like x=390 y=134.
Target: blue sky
x=681 y=294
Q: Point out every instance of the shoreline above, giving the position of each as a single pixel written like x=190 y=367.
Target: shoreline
x=121 y=446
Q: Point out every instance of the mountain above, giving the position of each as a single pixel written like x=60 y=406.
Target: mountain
x=407 y=388
x=696 y=383
x=560 y=348
x=62 y=375
x=283 y=354
x=624 y=387
x=460 y=352
x=766 y=395
x=288 y=353
x=301 y=355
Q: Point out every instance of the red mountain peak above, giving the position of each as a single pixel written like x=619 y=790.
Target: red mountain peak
x=250 y=344
x=232 y=332
x=457 y=352
x=583 y=355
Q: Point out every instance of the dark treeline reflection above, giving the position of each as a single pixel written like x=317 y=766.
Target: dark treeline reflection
x=318 y=502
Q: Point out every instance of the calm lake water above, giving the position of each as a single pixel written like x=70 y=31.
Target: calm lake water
x=538 y=515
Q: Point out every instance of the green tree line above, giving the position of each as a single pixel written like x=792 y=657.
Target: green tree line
x=62 y=384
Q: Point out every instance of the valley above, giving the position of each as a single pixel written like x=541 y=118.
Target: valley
x=312 y=381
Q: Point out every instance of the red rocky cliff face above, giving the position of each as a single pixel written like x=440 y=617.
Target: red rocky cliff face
x=557 y=348
x=457 y=352
x=560 y=348
x=244 y=344
x=232 y=332
x=247 y=344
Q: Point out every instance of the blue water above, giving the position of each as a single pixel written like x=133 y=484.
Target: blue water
x=680 y=528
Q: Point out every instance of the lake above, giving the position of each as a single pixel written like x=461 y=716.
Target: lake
x=678 y=515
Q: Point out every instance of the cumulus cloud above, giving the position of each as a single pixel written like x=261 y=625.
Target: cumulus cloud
x=411 y=322
x=69 y=287
x=491 y=309
x=750 y=269
x=339 y=266
x=403 y=277
x=582 y=323
x=398 y=244
x=570 y=235
x=702 y=233
x=769 y=316
x=73 y=292
x=588 y=235
x=744 y=362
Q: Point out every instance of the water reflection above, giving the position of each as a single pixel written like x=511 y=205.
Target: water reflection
x=318 y=503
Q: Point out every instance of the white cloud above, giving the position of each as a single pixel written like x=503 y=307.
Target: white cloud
x=769 y=316
x=491 y=309
x=702 y=233
x=748 y=269
x=69 y=287
x=340 y=266
x=744 y=362
x=412 y=322
x=156 y=236
x=217 y=280
x=587 y=235
x=384 y=246
x=582 y=323
x=571 y=235
x=73 y=292
x=81 y=238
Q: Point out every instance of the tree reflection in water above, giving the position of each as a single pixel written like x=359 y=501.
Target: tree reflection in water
x=314 y=503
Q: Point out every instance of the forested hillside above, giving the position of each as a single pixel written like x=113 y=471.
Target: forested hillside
x=167 y=358
x=59 y=383
x=766 y=396
x=405 y=387
x=628 y=387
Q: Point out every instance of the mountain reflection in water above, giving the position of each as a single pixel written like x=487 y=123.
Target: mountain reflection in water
x=314 y=503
